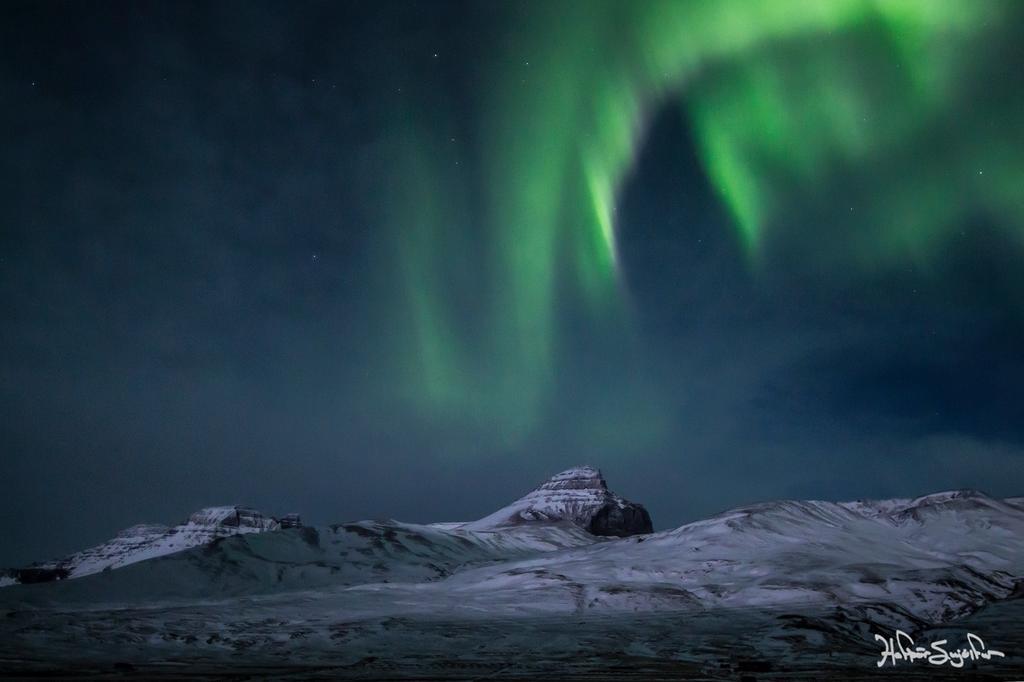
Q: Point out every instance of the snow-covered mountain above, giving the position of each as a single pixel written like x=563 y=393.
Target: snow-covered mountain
x=934 y=558
x=148 y=541
x=358 y=554
x=579 y=495
x=775 y=581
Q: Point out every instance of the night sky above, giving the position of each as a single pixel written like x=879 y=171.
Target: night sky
x=408 y=259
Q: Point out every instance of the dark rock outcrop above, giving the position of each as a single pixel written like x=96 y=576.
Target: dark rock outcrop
x=291 y=521
x=621 y=521
x=39 y=574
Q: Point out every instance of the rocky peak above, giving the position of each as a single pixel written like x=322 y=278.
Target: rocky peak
x=231 y=517
x=577 y=478
x=579 y=495
x=147 y=541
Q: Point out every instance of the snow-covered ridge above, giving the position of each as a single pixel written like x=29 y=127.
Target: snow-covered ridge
x=358 y=554
x=245 y=519
x=963 y=498
x=933 y=558
x=578 y=495
x=147 y=541
x=817 y=575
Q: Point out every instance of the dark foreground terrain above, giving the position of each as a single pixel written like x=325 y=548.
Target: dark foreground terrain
x=721 y=645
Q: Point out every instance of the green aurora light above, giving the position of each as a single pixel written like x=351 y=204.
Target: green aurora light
x=787 y=98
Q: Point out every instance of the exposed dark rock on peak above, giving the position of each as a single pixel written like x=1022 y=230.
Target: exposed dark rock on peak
x=291 y=521
x=232 y=517
x=579 y=495
x=621 y=520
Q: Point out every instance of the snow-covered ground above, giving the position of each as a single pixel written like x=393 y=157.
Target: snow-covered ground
x=802 y=582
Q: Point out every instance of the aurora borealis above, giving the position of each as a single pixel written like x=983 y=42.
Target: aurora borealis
x=785 y=98
x=353 y=260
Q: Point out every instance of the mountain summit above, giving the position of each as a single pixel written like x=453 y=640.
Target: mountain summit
x=146 y=541
x=579 y=495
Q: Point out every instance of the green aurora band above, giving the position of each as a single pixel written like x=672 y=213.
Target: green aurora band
x=788 y=100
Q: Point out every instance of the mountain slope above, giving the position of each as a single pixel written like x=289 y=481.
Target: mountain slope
x=148 y=541
x=579 y=495
x=341 y=555
x=936 y=557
